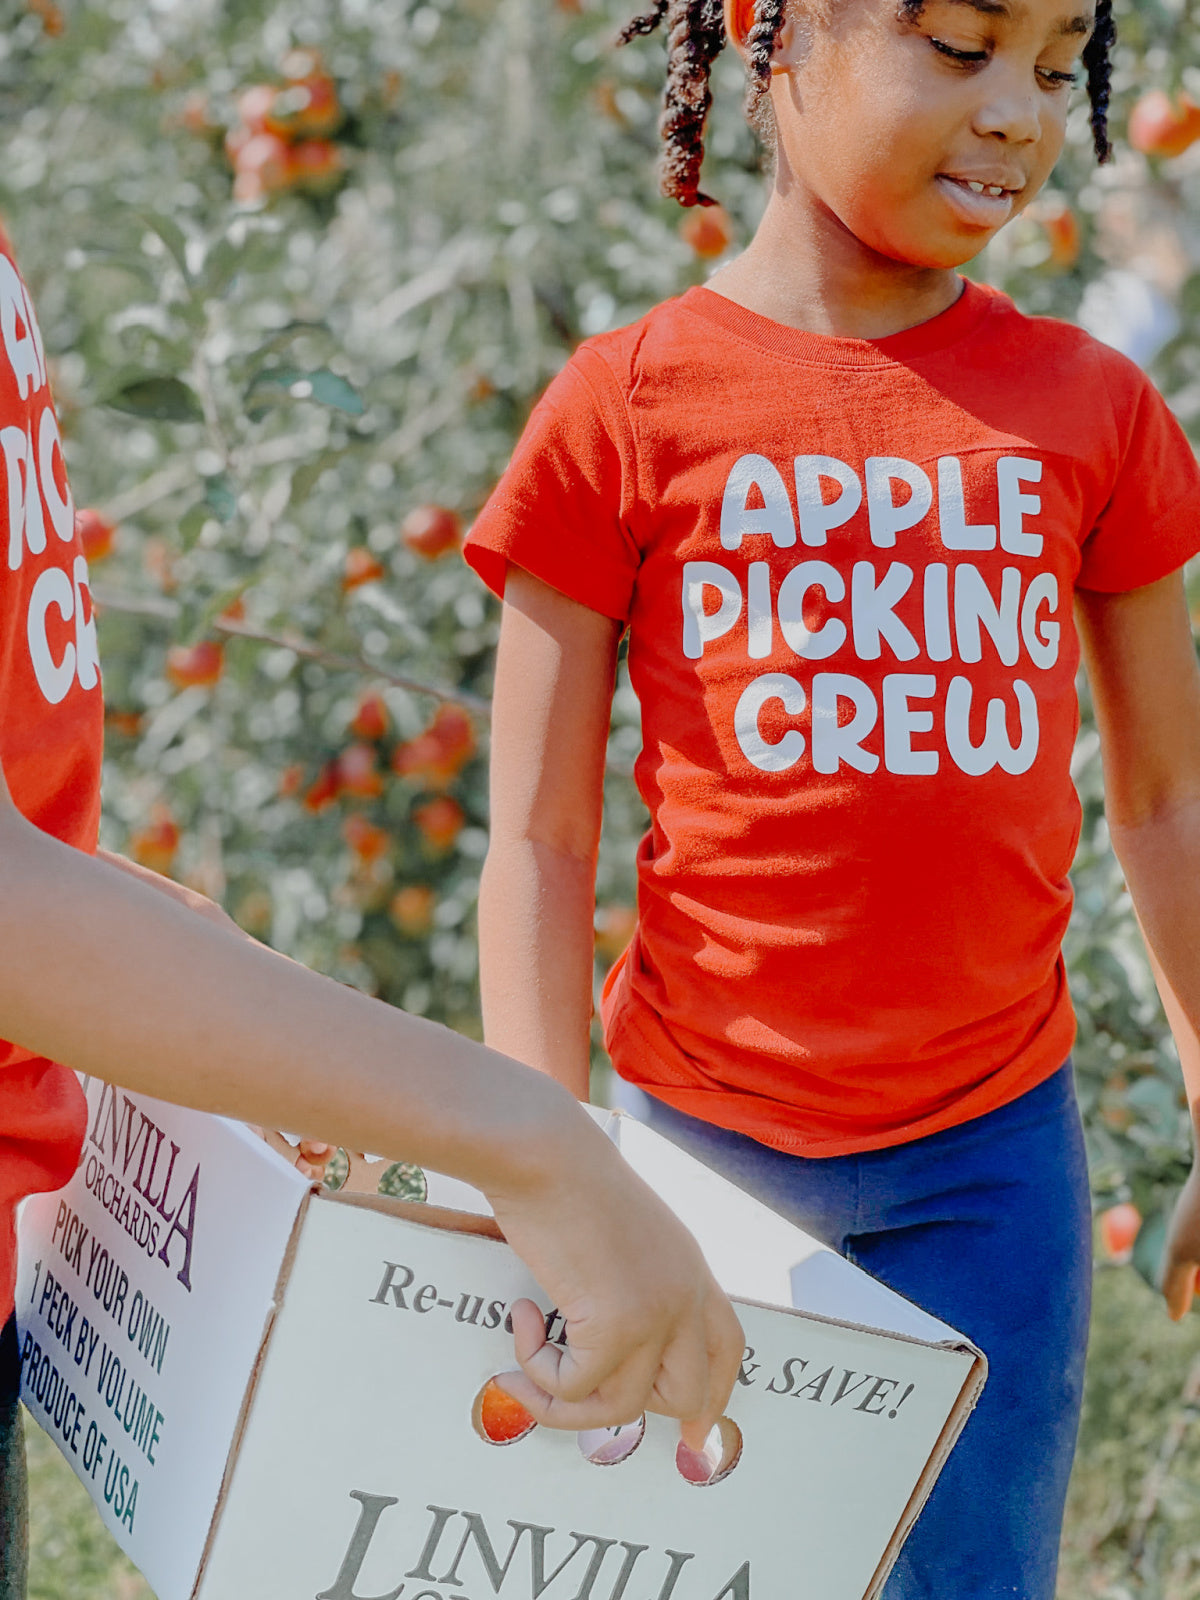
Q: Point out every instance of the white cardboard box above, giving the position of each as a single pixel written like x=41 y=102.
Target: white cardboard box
x=269 y=1391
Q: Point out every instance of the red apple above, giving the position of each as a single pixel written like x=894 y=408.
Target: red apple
x=708 y=230
x=430 y=531
x=95 y=534
x=195 y=665
x=412 y=909
x=370 y=721
x=1160 y=126
x=1119 y=1228
x=156 y=844
x=315 y=165
x=361 y=567
x=307 y=108
x=261 y=167
x=324 y=789
x=439 y=821
x=438 y=755
x=502 y=1420
x=357 y=773
x=368 y=841
x=291 y=780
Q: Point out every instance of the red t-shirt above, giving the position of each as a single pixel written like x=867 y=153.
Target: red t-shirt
x=51 y=723
x=847 y=570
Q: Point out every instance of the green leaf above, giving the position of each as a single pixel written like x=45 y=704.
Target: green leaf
x=172 y=235
x=308 y=474
x=191 y=523
x=276 y=384
x=221 y=266
x=220 y=497
x=330 y=390
x=161 y=399
x=281 y=337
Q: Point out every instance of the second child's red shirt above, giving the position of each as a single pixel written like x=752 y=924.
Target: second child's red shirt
x=51 y=723
x=847 y=570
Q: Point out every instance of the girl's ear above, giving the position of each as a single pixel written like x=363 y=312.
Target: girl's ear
x=739 y=19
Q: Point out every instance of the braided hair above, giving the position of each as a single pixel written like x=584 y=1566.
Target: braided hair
x=1097 y=62
x=696 y=36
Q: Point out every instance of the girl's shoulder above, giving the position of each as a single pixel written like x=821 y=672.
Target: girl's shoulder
x=667 y=335
x=1057 y=352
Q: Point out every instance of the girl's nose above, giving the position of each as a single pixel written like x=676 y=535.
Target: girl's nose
x=1010 y=113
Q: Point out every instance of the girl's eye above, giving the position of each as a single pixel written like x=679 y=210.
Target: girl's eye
x=1058 y=80
x=967 y=57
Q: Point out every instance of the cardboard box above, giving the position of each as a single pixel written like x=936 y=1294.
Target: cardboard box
x=271 y=1393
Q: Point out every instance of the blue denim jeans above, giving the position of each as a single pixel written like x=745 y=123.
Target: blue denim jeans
x=987 y=1225
x=13 y=1529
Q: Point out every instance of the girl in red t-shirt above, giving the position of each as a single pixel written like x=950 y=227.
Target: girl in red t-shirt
x=844 y=503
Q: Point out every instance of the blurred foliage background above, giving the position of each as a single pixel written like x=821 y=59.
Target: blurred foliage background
x=302 y=269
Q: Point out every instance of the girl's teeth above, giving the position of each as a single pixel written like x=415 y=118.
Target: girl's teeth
x=984 y=188
x=977 y=187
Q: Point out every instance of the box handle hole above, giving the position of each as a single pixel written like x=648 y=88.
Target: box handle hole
x=499 y=1419
x=721 y=1453
x=606 y=1447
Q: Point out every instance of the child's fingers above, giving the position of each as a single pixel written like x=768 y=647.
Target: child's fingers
x=1179 y=1286
x=726 y=1347
x=529 y=1329
x=551 y=1411
x=563 y=1388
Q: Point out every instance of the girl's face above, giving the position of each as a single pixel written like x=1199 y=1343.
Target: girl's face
x=924 y=135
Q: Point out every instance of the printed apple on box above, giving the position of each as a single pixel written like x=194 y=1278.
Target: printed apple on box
x=283 y=1393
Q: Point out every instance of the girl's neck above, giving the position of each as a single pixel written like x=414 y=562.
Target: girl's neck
x=805 y=269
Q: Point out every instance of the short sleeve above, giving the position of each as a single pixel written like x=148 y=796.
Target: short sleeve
x=562 y=508
x=1151 y=523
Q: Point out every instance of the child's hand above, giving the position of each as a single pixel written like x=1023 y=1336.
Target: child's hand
x=1181 y=1259
x=648 y=1329
x=310 y=1157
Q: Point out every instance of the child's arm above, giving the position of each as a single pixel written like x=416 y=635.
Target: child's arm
x=551 y=707
x=312 y=1156
x=1145 y=684
x=118 y=980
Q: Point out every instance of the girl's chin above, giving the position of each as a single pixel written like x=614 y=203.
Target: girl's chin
x=932 y=252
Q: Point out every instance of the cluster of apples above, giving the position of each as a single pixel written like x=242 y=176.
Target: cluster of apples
x=187 y=666
x=433 y=760
x=282 y=138
x=430 y=532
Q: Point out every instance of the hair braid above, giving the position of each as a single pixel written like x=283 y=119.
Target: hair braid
x=769 y=17
x=695 y=38
x=646 y=22
x=1097 y=58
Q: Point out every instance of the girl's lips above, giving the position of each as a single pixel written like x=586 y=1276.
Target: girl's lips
x=982 y=210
